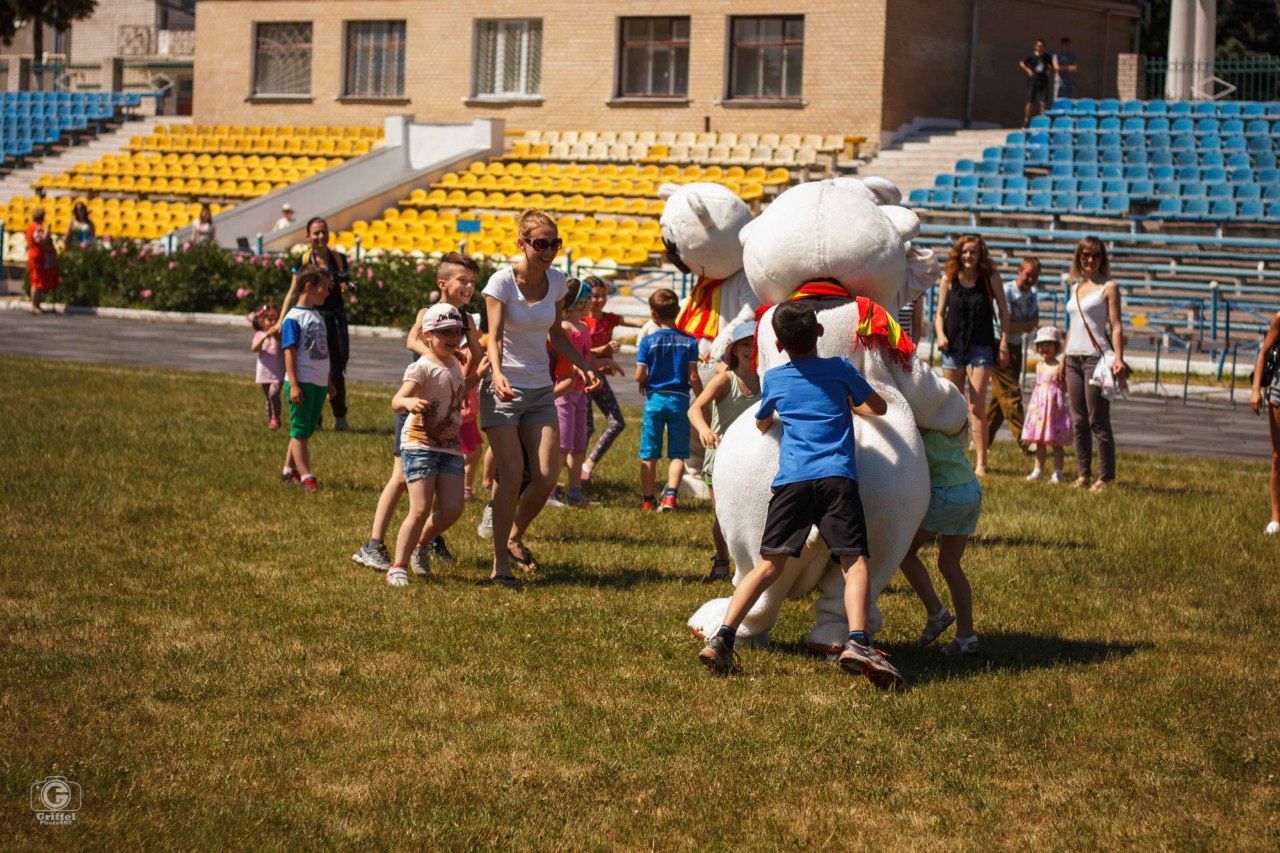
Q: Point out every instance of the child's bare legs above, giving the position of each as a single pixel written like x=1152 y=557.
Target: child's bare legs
x=298 y=458
x=573 y=461
x=447 y=508
x=1058 y=457
x=1273 y=413
x=913 y=569
x=470 y=461
x=387 y=501
x=978 y=378
x=856 y=583
x=675 y=473
x=542 y=443
x=648 y=473
x=490 y=465
x=760 y=578
x=420 y=495
x=950 y=550
x=1041 y=453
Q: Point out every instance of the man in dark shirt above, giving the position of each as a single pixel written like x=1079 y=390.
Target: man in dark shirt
x=1066 y=64
x=1038 y=67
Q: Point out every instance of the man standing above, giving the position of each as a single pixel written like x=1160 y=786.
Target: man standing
x=1037 y=66
x=286 y=217
x=1066 y=64
x=1006 y=382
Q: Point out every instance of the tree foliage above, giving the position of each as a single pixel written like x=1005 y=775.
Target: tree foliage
x=1245 y=28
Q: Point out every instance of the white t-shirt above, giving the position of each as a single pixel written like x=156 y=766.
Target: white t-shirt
x=282 y=223
x=304 y=331
x=436 y=428
x=525 y=361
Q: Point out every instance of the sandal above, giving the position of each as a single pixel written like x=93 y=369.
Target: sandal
x=1080 y=483
x=509 y=581
x=527 y=563
x=719 y=569
x=934 y=626
x=961 y=646
x=397 y=576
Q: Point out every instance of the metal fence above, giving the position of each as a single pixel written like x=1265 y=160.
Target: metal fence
x=1243 y=79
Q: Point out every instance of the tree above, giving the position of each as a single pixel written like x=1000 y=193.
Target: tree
x=59 y=14
x=1245 y=28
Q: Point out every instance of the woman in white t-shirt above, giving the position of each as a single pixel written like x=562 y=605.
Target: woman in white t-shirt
x=517 y=401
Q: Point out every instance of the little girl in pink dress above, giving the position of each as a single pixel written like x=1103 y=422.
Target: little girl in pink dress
x=1048 y=422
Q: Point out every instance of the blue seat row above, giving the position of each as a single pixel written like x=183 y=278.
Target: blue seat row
x=1111 y=106
x=1159 y=124
x=1172 y=207
x=30 y=119
x=1142 y=187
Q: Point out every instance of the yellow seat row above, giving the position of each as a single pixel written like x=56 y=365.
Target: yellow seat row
x=782 y=156
x=127 y=218
x=283 y=131
x=625 y=187
x=666 y=174
x=139 y=162
x=328 y=147
x=824 y=143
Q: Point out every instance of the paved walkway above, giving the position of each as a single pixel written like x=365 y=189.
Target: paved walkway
x=1142 y=424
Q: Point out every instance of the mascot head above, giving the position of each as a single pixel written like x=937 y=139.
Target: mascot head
x=848 y=230
x=700 y=226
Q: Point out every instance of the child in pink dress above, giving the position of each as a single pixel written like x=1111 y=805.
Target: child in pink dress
x=1048 y=422
x=270 y=372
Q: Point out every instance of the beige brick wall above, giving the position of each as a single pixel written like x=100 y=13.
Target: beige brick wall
x=95 y=39
x=842 y=83
x=934 y=39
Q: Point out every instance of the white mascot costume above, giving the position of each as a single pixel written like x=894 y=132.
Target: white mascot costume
x=700 y=228
x=851 y=232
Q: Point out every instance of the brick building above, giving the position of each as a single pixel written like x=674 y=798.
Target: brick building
x=864 y=67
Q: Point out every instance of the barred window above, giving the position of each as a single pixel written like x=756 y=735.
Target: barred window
x=282 y=59
x=767 y=58
x=655 y=57
x=375 y=59
x=508 y=58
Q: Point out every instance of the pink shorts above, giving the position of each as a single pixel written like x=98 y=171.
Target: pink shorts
x=469 y=436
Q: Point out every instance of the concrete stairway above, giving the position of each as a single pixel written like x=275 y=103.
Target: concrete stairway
x=916 y=161
x=18 y=182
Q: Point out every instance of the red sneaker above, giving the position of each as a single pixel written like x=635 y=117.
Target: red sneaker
x=668 y=502
x=290 y=477
x=309 y=485
x=648 y=505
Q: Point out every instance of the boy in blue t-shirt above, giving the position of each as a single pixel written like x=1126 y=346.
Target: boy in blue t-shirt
x=817 y=484
x=306 y=361
x=667 y=370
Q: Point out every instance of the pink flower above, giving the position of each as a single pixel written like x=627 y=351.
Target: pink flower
x=239 y=259
x=241 y=293
x=114 y=253
x=186 y=247
x=353 y=299
x=146 y=294
x=280 y=263
x=420 y=268
x=368 y=273
x=435 y=296
x=379 y=285
x=173 y=265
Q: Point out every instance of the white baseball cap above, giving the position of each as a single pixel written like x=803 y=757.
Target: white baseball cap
x=287 y=206
x=440 y=317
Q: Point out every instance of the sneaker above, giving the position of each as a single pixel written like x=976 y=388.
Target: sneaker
x=291 y=477
x=309 y=485
x=467 y=494
x=1271 y=529
x=485 y=528
x=575 y=497
x=555 y=502
x=1056 y=478
x=719 y=570
x=420 y=563
x=339 y=424
x=668 y=501
x=648 y=505
x=857 y=659
x=440 y=551
x=373 y=556
x=397 y=576
x=718 y=657
x=1035 y=474
x=273 y=424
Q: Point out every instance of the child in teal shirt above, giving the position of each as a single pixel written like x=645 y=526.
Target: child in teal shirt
x=955 y=503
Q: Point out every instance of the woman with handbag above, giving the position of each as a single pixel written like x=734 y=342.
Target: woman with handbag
x=1094 y=372
x=1266 y=392
x=970 y=303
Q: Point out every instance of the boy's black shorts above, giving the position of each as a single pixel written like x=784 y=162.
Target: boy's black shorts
x=832 y=503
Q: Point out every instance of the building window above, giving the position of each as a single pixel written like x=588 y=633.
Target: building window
x=508 y=58
x=655 y=58
x=375 y=59
x=282 y=59
x=767 y=57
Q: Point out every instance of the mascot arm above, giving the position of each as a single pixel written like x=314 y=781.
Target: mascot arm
x=935 y=402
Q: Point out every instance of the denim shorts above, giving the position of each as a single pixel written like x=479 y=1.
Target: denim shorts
x=975 y=356
x=421 y=464
x=954 y=510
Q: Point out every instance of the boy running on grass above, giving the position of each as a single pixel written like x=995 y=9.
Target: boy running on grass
x=306 y=364
x=817 y=483
x=666 y=369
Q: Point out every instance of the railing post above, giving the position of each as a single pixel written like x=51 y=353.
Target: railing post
x=259 y=243
x=568 y=261
x=1213 y=322
x=168 y=243
x=356 y=248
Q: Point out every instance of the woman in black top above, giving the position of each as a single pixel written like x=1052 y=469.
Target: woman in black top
x=970 y=299
x=333 y=310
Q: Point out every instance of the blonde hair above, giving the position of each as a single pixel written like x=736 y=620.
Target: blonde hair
x=533 y=218
x=985 y=266
x=1091 y=244
x=37 y=214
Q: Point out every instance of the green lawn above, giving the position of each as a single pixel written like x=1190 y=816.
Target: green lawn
x=188 y=640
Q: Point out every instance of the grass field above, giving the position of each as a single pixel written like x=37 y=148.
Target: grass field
x=188 y=640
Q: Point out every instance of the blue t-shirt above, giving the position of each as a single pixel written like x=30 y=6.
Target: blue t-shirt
x=812 y=398
x=303 y=328
x=668 y=353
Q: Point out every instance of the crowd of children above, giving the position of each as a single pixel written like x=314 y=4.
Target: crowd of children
x=438 y=442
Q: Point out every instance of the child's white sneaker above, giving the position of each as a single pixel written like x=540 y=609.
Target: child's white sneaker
x=1271 y=529
x=397 y=576
x=1035 y=474
x=1056 y=478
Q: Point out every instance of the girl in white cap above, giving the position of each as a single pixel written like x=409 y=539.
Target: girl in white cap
x=729 y=393
x=1048 y=422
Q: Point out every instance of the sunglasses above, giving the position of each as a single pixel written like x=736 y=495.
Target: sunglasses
x=1089 y=255
x=541 y=245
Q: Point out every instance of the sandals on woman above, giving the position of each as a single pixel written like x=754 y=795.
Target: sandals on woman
x=527 y=563
x=961 y=646
x=934 y=626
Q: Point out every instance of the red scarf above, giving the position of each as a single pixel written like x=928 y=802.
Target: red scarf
x=701 y=314
x=875 y=326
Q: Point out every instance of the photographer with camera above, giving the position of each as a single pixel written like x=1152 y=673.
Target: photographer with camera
x=333 y=310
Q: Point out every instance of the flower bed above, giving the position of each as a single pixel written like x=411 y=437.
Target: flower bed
x=388 y=290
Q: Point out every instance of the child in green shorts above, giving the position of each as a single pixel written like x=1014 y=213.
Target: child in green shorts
x=306 y=362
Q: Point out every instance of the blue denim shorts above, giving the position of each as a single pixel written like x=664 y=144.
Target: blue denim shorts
x=974 y=356
x=421 y=464
x=954 y=510
x=667 y=413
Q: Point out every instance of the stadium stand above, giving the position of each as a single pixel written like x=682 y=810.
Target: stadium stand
x=1212 y=162
x=30 y=121
x=126 y=218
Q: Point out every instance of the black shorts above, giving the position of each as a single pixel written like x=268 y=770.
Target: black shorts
x=1037 y=93
x=832 y=503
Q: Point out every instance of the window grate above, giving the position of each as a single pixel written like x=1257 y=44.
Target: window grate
x=282 y=59
x=767 y=57
x=375 y=59
x=508 y=58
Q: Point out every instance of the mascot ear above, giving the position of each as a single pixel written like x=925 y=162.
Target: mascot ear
x=666 y=191
x=886 y=191
x=906 y=221
x=699 y=208
x=746 y=230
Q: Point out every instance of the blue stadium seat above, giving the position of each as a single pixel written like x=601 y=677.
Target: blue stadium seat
x=966 y=182
x=1271 y=192
x=990 y=199
x=1230 y=109
x=1091 y=204
x=1223 y=208
x=1136 y=158
x=1158 y=125
x=1213 y=174
x=965 y=167
x=1086 y=170
x=1062 y=139
x=1195 y=208
x=1273 y=211
x=1253 y=108
x=1239 y=160
x=1044 y=201
x=1132 y=108
x=1160 y=158
x=1086 y=124
x=1258 y=127
x=1207 y=126
x=946 y=179
x=1248 y=192
x=1015 y=200
x=1016 y=139
x=1108 y=107
x=1111 y=170
x=1232 y=126
x=1018 y=184
x=1062 y=105
x=1260 y=144
x=1116 y=187
x=941 y=196
x=993 y=152
x=1213 y=160
x=1169 y=207
x=1038 y=139
x=1061 y=155
x=1089 y=186
x=1066 y=201
x=1183 y=126
x=1142 y=188
x=1062 y=170
x=1013 y=167
x=990 y=182
x=966 y=197
x=989 y=167
x=1156 y=108
x=1221 y=191
x=1235 y=143
x=1251 y=210
x=1085 y=154
x=1064 y=123
x=1267 y=176
x=1117 y=203
x=1205 y=108
x=1159 y=141
x=1195 y=189
x=1186 y=158
x=1134 y=124
x=1168 y=188
x=1111 y=141
x=1264 y=161
x=1110 y=124
x=1040 y=123
x=1242 y=175
x=1179 y=108
x=1065 y=185
x=1186 y=142
x=1211 y=143
x=1043 y=184
x=918 y=197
